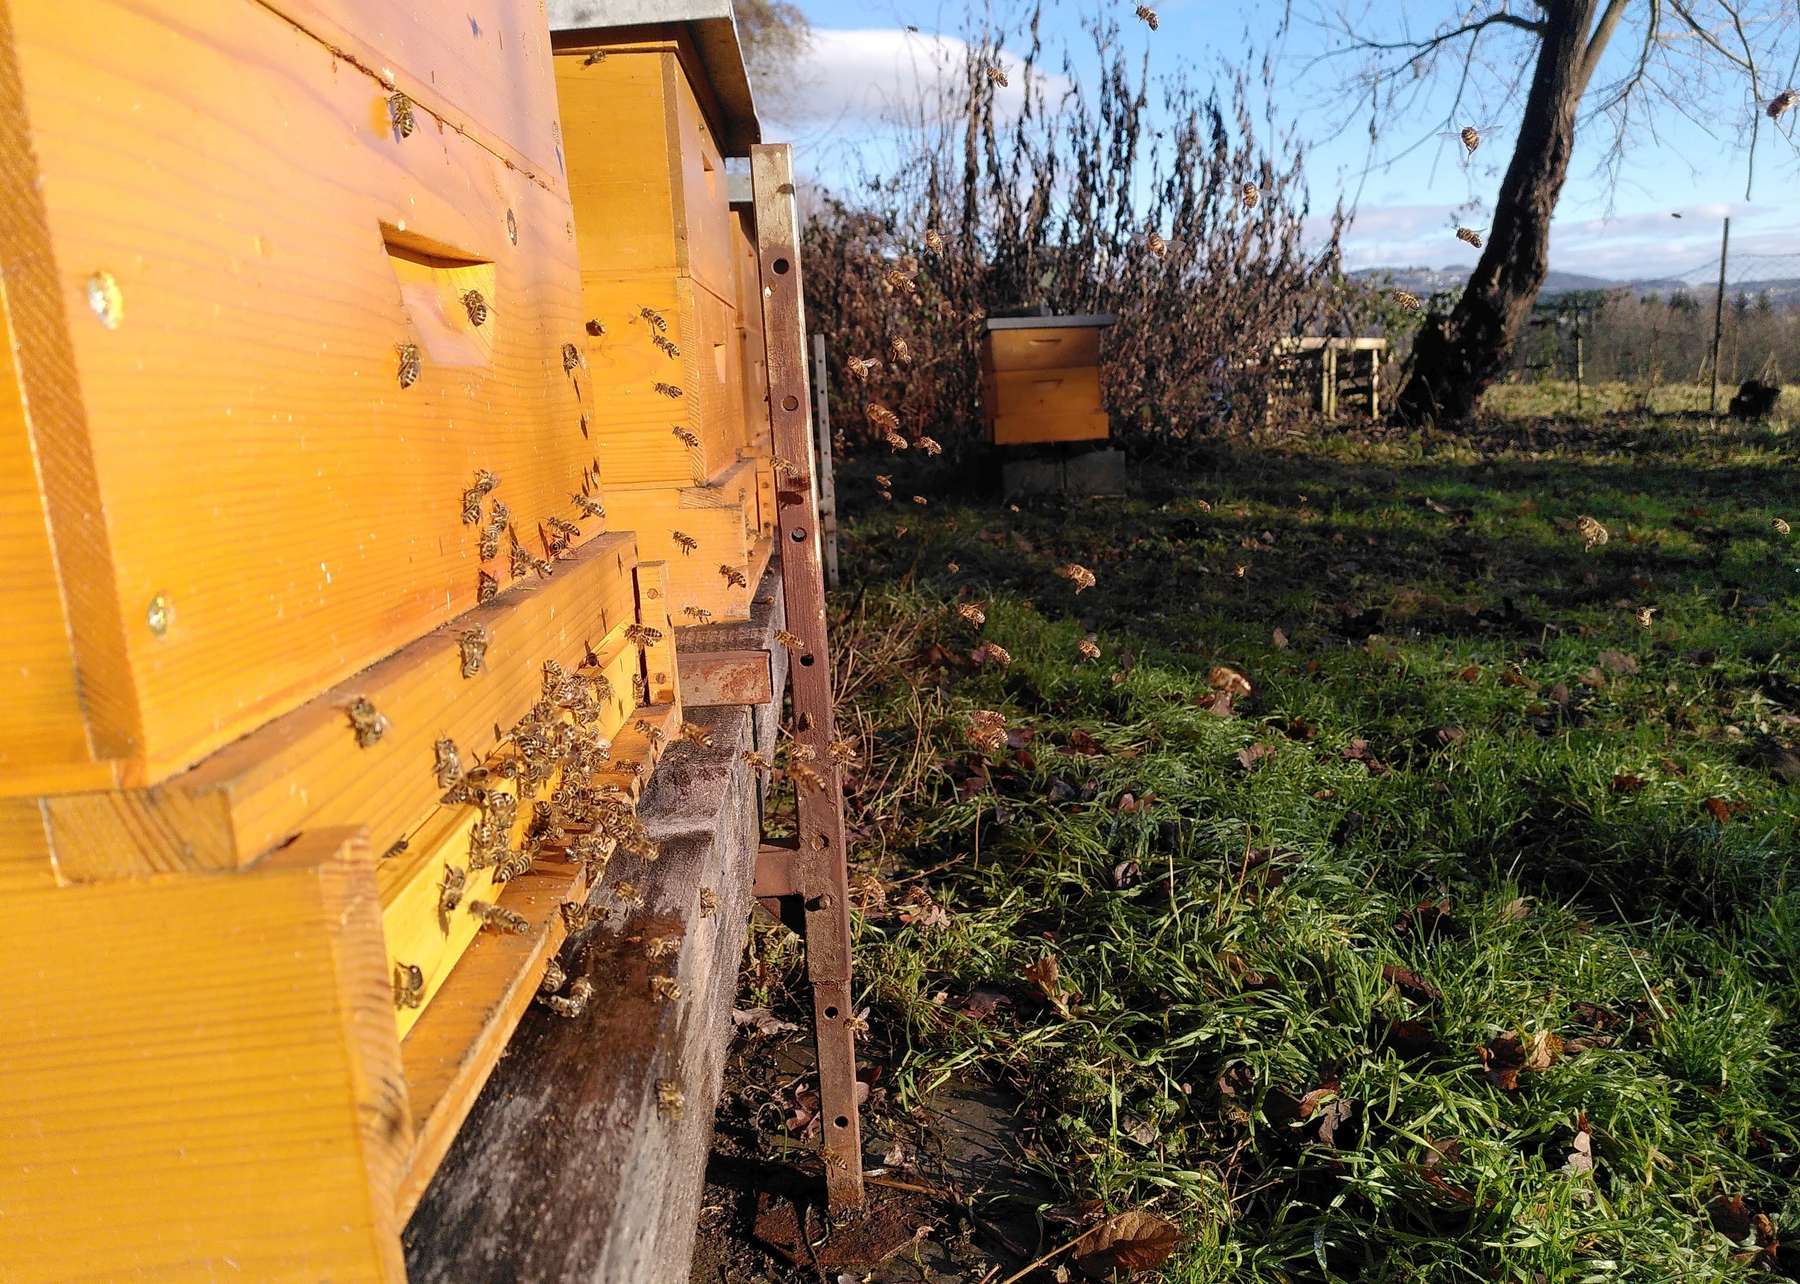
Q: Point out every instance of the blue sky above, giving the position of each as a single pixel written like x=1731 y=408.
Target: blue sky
x=864 y=59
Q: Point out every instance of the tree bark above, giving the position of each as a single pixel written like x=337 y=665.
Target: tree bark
x=1455 y=359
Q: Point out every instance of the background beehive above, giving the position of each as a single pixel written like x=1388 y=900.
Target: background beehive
x=664 y=272
x=1040 y=379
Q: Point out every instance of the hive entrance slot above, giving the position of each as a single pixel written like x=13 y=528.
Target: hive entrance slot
x=449 y=297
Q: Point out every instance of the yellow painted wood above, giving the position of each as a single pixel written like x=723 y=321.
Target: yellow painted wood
x=1046 y=348
x=200 y=1077
x=306 y=769
x=659 y=657
x=1017 y=430
x=1067 y=390
x=721 y=518
x=213 y=383
x=25 y=863
x=753 y=353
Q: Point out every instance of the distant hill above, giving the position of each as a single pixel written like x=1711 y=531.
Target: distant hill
x=1783 y=292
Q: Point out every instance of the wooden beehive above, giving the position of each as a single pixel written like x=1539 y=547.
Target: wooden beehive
x=281 y=277
x=1040 y=379
x=650 y=114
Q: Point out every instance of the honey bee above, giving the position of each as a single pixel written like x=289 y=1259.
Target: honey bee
x=1782 y=103
x=476 y=306
x=518 y=561
x=666 y=389
x=1148 y=15
x=953 y=567
x=1780 y=527
x=696 y=735
x=486 y=587
x=400 y=845
x=575 y=1002
x=1406 y=301
x=450 y=893
x=512 y=865
x=1088 y=649
x=1155 y=243
x=578 y=916
x=900 y=281
x=627 y=893
x=685 y=437
x=862 y=367
x=1592 y=532
x=753 y=760
x=563 y=526
x=929 y=446
x=789 y=640
x=859 y=1023
x=589 y=506
x=934 y=242
x=784 y=468
x=685 y=542
x=997 y=74
x=544 y=568
x=629 y=766
x=665 y=989
x=572 y=358
x=972 y=613
x=1078 y=575
x=1646 y=615
x=883 y=480
x=400 y=112
x=895 y=442
x=987 y=731
x=495 y=919
x=643 y=634
x=667 y=345
x=1250 y=194
x=995 y=652
x=472 y=497
x=555 y=977
x=368 y=724
x=843 y=752
x=1470 y=235
x=595 y=327
x=920 y=500
x=655 y=734
x=448 y=768
x=640 y=689
x=654 y=318
x=709 y=902
x=899 y=352
x=409 y=985
x=410 y=364
x=699 y=613
x=669 y=1099
x=734 y=578
x=473 y=645
x=1471 y=138
x=661 y=947
x=595 y=58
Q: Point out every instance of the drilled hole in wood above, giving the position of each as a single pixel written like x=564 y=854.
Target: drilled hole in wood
x=806 y=661
x=790 y=403
x=831 y=1014
x=842 y=1121
x=781 y=267
x=798 y=534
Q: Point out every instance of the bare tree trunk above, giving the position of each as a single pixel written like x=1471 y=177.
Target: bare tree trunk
x=1455 y=360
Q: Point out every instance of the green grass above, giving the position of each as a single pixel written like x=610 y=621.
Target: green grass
x=1544 y=851
x=1558 y=397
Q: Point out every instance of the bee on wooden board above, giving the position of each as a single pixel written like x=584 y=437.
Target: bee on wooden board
x=399 y=847
x=368 y=723
x=643 y=634
x=627 y=894
x=654 y=318
x=554 y=978
x=475 y=306
x=410 y=363
x=709 y=902
x=448 y=767
x=755 y=761
x=784 y=468
x=400 y=113
x=668 y=390
x=409 y=985
x=472 y=646
x=653 y=733
x=544 y=567
x=686 y=438
x=518 y=561
x=665 y=989
x=698 y=613
x=572 y=359
x=495 y=919
x=572 y=1005
x=1147 y=15
x=668 y=347
x=685 y=542
x=578 y=916
x=450 y=893
x=589 y=507
x=486 y=587
x=734 y=578
x=669 y=1099
x=661 y=947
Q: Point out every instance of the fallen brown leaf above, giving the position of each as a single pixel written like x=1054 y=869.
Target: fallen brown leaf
x=1132 y=1241
x=1250 y=757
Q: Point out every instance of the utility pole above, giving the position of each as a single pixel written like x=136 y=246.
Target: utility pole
x=1719 y=318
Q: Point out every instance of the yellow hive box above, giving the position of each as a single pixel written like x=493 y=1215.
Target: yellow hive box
x=1040 y=379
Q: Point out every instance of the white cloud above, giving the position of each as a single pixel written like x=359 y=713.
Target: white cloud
x=880 y=76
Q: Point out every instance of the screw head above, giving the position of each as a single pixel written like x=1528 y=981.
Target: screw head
x=160 y=614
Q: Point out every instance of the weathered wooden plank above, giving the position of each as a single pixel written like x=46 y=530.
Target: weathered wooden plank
x=706 y=535
x=246 y=504
x=661 y=669
x=828 y=524
x=726 y=677
x=306 y=769
x=178 y=1052
x=821 y=867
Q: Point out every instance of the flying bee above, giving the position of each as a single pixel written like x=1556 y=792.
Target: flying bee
x=563 y=526
x=696 y=735
x=1470 y=235
x=883 y=419
x=698 y=613
x=995 y=652
x=1646 y=615
x=899 y=351
x=1592 y=532
x=1155 y=243
x=934 y=241
x=884 y=481
x=450 y=893
x=1249 y=194
x=1782 y=103
x=987 y=731
x=473 y=645
x=668 y=390
x=929 y=445
x=448 y=768
x=410 y=364
x=1148 y=15
x=920 y=500
x=669 y=349
x=1406 y=301
x=654 y=318
x=400 y=845
x=1780 y=527
x=575 y=1002
x=894 y=442
x=495 y=919
x=409 y=985
x=400 y=112
x=843 y=752
x=859 y=1023
x=1088 y=649
x=685 y=437
x=754 y=760
x=572 y=358
x=486 y=587
x=643 y=634
x=369 y=724
x=685 y=542
x=1078 y=575
x=1471 y=138
x=669 y=1099
x=665 y=989
x=734 y=578
x=789 y=640
x=972 y=613
x=862 y=367
x=997 y=74
x=476 y=306
x=589 y=506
